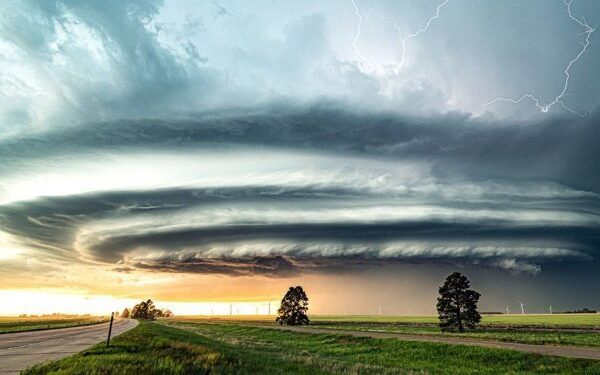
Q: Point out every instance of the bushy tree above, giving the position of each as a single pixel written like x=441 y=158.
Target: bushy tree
x=125 y=314
x=294 y=307
x=144 y=310
x=457 y=304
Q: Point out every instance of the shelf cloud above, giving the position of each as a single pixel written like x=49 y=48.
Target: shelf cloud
x=269 y=140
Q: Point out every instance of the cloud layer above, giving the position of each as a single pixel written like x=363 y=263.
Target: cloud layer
x=281 y=191
x=213 y=138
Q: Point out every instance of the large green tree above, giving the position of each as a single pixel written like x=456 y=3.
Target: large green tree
x=457 y=304
x=294 y=308
x=144 y=310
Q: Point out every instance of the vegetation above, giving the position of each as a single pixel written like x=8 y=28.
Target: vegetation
x=125 y=314
x=146 y=310
x=294 y=308
x=511 y=320
x=21 y=324
x=549 y=336
x=457 y=304
x=151 y=348
x=531 y=329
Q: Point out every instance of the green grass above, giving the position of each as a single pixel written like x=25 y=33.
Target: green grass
x=565 y=329
x=534 y=320
x=9 y=324
x=153 y=348
x=556 y=336
x=337 y=353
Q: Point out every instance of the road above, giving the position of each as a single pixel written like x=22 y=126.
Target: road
x=24 y=349
x=556 y=350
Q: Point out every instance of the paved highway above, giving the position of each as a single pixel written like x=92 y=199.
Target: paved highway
x=24 y=349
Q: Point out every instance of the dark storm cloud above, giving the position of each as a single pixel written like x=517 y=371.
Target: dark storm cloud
x=562 y=149
x=577 y=237
x=557 y=150
x=276 y=266
x=52 y=225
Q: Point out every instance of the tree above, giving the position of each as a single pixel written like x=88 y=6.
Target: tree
x=144 y=310
x=457 y=304
x=125 y=314
x=294 y=306
x=168 y=313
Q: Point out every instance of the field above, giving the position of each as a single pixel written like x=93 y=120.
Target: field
x=20 y=324
x=556 y=329
x=534 y=320
x=181 y=346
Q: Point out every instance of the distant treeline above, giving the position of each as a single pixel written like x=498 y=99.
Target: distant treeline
x=585 y=310
x=54 y=315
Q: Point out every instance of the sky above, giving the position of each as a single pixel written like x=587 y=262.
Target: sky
x=207 y=152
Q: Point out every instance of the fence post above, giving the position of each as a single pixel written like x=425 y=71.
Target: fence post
x=112 y=315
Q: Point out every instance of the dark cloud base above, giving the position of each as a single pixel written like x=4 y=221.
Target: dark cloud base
x=562 y=149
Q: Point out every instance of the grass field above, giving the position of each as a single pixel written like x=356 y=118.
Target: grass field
x=565 y=329
x=556 y=336
x=14 y=324
x=535 y=320
x=202 y=347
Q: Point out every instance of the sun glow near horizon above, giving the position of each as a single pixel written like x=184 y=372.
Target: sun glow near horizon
x=40 y=302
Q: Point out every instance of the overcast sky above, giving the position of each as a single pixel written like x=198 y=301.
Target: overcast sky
x=162 y=148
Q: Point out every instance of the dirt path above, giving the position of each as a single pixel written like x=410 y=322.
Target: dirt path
x=24 y=349
x=557 y=350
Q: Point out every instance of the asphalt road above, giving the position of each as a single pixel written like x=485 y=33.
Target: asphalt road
x=556 y=350
x=24 y=349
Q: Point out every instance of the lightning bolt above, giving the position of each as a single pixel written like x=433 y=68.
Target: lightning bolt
x=416 y=33
x=402 y=40
x=357 y=35
x=588 y=31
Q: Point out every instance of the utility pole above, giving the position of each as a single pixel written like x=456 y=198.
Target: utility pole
x=112 y=316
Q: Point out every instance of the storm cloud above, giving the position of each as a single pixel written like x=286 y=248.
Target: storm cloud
x=329 y=188
x=235 y=142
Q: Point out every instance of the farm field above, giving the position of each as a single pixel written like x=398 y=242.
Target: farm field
x=21 y=324
x=533 y=320
x=557 y=329
x=178 y=347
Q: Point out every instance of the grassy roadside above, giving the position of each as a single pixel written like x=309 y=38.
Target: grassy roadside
x=153 y=348
x=11 y=325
